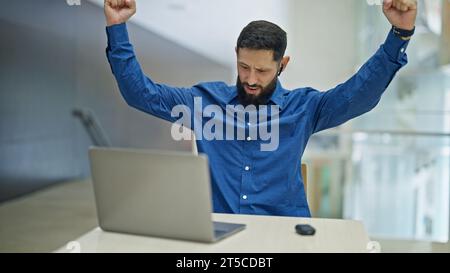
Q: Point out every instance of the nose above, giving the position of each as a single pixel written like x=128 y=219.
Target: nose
x=251 y=80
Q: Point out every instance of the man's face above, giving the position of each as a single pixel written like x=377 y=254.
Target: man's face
x=257 y=75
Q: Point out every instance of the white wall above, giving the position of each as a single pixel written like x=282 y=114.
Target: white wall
x=321 y=43
x=321 y=34
x=209 y=27
x=53 y=60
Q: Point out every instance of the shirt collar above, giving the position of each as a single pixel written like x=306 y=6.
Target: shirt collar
x=277 y=96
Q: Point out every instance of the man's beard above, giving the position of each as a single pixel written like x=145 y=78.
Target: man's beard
x=249 y=99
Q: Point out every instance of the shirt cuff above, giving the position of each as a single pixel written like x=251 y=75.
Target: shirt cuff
x=395 y=47
x=117 y=34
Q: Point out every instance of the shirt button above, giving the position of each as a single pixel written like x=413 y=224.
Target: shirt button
x=247 y=168
x=402 y=50
x=244 y=197
x=249 y=138
x=249 y=124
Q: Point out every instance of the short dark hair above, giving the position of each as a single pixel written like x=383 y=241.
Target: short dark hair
x=263 y=35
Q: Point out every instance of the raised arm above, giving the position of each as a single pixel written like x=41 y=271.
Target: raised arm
x=118 y=11
x=138 y=90
x=363 y=91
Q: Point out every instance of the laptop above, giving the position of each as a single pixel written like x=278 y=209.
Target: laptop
x=155 y=193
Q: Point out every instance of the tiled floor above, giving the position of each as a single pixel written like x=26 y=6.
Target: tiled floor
x=46 y=220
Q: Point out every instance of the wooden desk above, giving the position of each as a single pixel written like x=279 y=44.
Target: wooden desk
x=263 y=234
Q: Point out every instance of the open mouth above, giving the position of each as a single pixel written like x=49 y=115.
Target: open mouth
x=251 y=90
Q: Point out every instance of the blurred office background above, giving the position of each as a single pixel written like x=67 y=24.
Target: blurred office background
x=389 y=168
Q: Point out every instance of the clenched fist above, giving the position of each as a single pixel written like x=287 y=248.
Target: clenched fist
x=119 y=11
x=401 y=13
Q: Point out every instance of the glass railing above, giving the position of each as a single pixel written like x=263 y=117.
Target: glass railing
x=396 y=182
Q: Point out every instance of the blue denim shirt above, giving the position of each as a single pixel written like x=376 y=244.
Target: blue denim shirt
x=244 y=178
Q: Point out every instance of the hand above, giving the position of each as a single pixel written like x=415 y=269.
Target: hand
x=119 y=11
x=401 y=13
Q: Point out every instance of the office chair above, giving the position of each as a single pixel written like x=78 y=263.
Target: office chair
x=304 y=177
x=92 y=126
